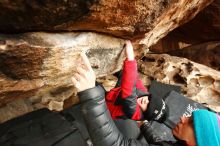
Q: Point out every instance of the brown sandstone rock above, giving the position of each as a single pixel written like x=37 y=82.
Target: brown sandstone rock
x=201 y=32
x=39 y=65
x=198 y=82
x=203 y=28
x=15 y=108
x=206 y=53
x=149 y=20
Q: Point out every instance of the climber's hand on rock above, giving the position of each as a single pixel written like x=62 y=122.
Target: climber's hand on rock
x=85 y=77
x=129 y=50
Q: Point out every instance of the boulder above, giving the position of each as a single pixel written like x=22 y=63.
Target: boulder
x=198 y=82
x=145 y=20
x=40 y=65
x=197 y=39
x=205 y=53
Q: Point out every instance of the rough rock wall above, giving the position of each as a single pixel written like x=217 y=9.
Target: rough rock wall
x=149 y=20
x=35 y=68
x=205 y=27
x=204 y=53
x=39 y=65
x=197 y=81
x=199 y=36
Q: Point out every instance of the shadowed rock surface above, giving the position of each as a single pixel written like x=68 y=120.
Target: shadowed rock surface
x=39 y=65
x=142 y=19
x=199 y=37
x=206 y=53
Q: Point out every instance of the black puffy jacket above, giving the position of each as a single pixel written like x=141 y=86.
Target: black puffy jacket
x=100 y=125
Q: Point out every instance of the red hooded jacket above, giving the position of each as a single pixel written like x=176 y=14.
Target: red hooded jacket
x=122 y=100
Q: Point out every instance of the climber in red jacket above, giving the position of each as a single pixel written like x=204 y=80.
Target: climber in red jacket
x=129 y=98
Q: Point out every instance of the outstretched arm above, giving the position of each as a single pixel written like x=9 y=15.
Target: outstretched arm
x=128 y=84
x=101 y=127
x=129 y=72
